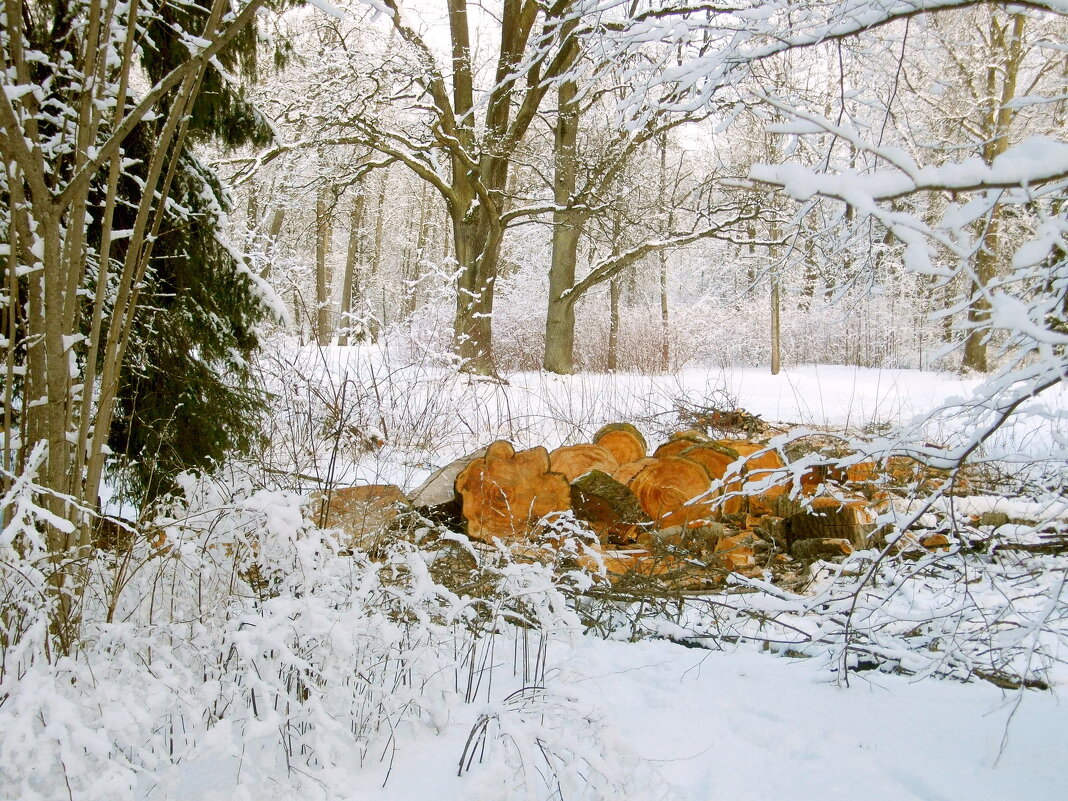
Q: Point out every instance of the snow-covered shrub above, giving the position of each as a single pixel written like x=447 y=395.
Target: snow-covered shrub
x=236 y=646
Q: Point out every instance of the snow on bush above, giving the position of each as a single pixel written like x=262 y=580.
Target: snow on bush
x=235 y=646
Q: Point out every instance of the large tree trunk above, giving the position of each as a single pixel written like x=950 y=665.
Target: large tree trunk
x=996 y=125
x=350 y=281
x=567 y=227
x=477 y=242
x=323 y=330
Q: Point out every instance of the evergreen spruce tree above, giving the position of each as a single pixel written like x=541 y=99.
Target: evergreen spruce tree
x=187 y=395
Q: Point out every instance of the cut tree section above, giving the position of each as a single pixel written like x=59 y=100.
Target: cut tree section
x=666 y=487
x=577 y=460
x=506 y=493
x=624 y=441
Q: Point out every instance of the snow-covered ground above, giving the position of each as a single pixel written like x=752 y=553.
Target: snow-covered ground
x=728 y=726
x=429 y=415
x=321 y=676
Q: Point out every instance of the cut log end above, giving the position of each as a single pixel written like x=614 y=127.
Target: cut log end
x=506 y=494
x=573 y=461
x=625 y=442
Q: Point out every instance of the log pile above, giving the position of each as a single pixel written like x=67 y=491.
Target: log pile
x=697 y=507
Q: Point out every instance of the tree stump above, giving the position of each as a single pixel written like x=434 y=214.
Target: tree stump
x=573 y=461
x=665 y=488
x=610 y=508
x=506 y=493
x=624 y=441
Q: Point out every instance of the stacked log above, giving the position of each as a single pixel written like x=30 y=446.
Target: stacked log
x=625 y=442
x=573 y=461
x=506 y=493
x=668 y=490
x=696 y=503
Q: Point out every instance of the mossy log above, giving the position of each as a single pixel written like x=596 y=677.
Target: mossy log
x=573 y=461
x=506 y=493
x=609 y=507
x=624 y=441
x=850 y=519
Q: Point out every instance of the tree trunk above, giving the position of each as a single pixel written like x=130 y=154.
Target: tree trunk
x=477 y=242
x=567 y=227
x=377 y=248
x=413 y=260
x=323 y=329
x=775 y=331
x=615 y=289
x=665 y=340
x=277 y=220
x=665 y=327
x=996 y=125
x=350 y=281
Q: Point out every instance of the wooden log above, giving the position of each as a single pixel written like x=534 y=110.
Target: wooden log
x=716 y=459
x=624 y=441
x=735 y=552
x=609 y=507
x=810 y=550
x=506 y=493
x=437 y=499
x=665 y=489
x=759 y=458
x=573 y=461
x=697 y=541
x=624 y=473
x=680 y=441
x=364 y=514
x=851 y=519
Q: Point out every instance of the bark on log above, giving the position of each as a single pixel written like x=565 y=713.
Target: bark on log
x=610 y=508
x=437 y=499
x=506 y=493
x=575 y=460
x=822 y=548
x=624 y=441
x=828 y=518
